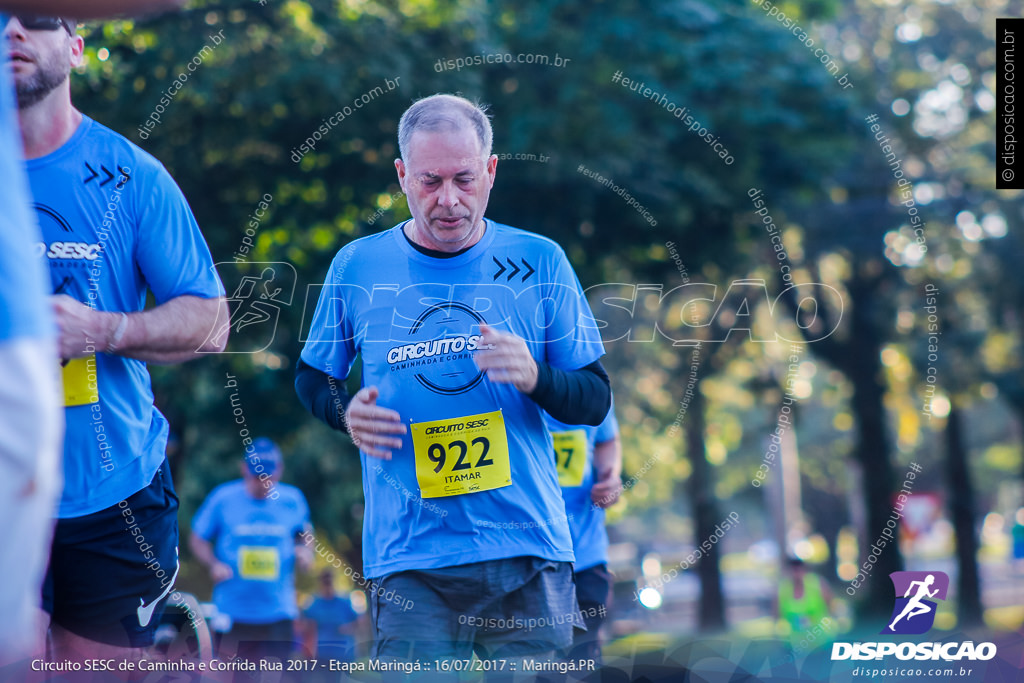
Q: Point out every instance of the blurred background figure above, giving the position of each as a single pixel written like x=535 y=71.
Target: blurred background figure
x=1017 y=535
x=329 y=624
x=248 y=534
x=589 y=464
x=803 y=606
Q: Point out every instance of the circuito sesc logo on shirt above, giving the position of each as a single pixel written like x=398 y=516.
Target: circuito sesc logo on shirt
x=439 y=349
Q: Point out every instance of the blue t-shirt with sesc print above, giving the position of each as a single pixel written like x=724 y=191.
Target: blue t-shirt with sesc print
x=473 y=480
x=114 y=227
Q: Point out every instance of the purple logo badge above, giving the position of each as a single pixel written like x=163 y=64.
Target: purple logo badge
x=914 y=611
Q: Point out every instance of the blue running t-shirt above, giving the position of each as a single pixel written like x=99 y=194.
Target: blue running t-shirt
x=330 y=615
x=256 y=538
x=114 y=225
x=586 y=520
x=483 y=451
x=24 y=308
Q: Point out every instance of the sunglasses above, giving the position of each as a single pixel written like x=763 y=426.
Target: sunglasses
x=39 y=22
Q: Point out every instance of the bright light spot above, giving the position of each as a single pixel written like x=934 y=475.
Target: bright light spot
x=908 y=32
x=972 y=233
x=924 y=194
x=852 y=52
x=103 y=54
x=890 y=357
x=994 y=519
x=651 y=564
x=900 y=107
x=944 y=263
x=965 y=218
x=994 y=225
x=940 y=111
x=940 y=405
x=961 y=74
x=928 y=61
x=843 y=422
x=992 y=529
x=803 y=549
x=846 y=571
x=904 y=320
x=985 y=100
x=650 y=598
x=802 y=389
x=913 y=254
x=808 y=369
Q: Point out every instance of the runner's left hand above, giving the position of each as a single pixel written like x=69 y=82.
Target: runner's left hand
x=508 y=361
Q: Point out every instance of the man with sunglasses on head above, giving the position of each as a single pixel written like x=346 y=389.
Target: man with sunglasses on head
x=114 y=228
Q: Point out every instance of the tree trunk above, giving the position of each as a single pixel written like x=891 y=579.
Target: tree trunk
x=872 y=450
x=961 y=508
x=711 y=611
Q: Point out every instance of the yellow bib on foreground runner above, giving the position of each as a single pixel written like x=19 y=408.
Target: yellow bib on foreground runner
x=461 y=455
x=570 y=456
x=259 y=563
x=78 y=390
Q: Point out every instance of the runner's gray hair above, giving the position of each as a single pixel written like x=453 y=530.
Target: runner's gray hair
x=445 y=113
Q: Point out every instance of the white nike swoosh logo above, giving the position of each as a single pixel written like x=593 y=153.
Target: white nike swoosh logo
x=145 y=611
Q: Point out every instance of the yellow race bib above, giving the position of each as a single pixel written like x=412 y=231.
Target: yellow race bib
x=80 y=385
x=461 y=455
x=570 y=456
x=259 y=563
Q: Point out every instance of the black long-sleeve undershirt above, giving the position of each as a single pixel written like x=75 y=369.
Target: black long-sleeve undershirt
x=571 y=396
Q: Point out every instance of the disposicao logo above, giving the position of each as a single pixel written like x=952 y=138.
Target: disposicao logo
x=914 y=612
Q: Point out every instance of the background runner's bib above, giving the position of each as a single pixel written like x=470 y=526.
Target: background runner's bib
x=259 y=563
x=461 y=455
x=570 y=456
x=78 y=390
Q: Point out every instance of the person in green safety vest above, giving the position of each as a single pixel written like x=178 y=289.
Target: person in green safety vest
x=803 y=606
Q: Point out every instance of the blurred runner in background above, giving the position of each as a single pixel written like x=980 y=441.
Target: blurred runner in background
x=589 y=462
x=248 y=534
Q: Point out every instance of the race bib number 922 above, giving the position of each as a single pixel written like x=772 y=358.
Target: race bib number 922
x=461 y=455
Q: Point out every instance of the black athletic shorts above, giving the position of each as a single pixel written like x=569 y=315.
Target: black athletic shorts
x=111 y=571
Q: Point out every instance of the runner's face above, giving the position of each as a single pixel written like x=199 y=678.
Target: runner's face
x=447 y=182
x=40 y=60
x=259 y=488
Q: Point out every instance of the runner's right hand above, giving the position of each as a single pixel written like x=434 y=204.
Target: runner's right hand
x=371 y=426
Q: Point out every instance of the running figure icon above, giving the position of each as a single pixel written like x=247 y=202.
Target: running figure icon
x=914 y=606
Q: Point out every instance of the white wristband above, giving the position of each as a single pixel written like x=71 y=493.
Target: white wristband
x=122 y=325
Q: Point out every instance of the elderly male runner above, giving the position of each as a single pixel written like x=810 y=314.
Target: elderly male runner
x=114 y=227
x=467 y=330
